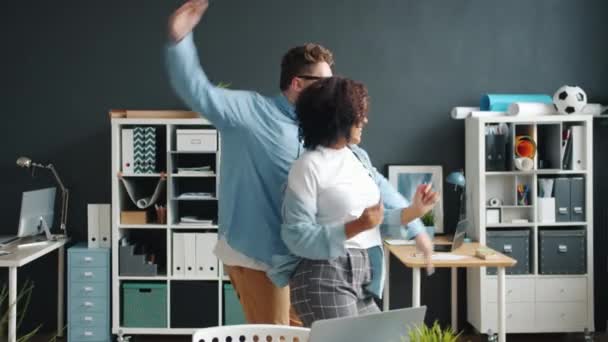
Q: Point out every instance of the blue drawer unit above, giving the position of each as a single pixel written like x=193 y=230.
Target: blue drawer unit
x=88 y=294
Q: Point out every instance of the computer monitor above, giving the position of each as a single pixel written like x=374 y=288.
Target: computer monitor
x=36 y=205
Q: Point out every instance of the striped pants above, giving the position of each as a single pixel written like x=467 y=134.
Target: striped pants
x=322 y=289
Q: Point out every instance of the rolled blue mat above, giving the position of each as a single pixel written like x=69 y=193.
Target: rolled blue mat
x=501 y=102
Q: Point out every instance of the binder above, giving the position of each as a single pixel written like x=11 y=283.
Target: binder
x=127 y=150
x=578 y=148
x=577 y=199
x=178 y=255
x=190 y=254
x=105 y=225
x=562 y=199
x=93 y=225
x=495 y=152
x=206 y=261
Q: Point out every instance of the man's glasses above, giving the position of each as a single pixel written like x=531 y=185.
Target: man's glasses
x=310 y=77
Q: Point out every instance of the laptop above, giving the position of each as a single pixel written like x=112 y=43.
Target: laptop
x=36 y=205
x=461 y=230
x=389 y=326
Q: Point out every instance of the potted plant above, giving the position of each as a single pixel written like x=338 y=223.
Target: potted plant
x=433 y=334
x=428 y=220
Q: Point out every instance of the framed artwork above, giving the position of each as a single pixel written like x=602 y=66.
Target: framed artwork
x=406 y=179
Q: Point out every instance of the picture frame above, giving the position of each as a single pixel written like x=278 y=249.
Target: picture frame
x=406 y=178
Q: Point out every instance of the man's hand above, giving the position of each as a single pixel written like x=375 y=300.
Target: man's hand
x=424 y=200
x=185 y=18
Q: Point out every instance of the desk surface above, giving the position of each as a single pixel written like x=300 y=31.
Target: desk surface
x=23 y=255
x=406 y=254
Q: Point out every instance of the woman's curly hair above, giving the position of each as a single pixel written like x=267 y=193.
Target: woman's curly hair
x=328 y=108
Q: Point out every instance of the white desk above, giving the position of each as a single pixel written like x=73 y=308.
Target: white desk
x=23 y=256
x=405 y=254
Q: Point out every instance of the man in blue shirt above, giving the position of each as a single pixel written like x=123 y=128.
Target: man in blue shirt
x=259 y=143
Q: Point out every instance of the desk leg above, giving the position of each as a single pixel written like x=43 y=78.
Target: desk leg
x=502 y=309
x=12 y=304
x=415 y=286
x=455 y=298
x=387 y=281
x=60 y=291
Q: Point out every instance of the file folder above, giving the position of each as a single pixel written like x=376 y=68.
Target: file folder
x=178 y=255
x=127 y=150
x=93 y=225
x=105 y=225
x=206 y=261
x=577 y=199
x=190 y=254
x=578 y=148
x=561 y=191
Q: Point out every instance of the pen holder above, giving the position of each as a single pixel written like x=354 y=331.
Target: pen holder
x=161 y=215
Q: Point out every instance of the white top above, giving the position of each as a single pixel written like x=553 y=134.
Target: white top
x=231 y=257
x=339 y=186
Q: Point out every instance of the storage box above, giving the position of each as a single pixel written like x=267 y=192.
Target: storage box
x=562 y=252
x=133 y=217
x=233 y=311
x=144 y=305
x=200 y=140
x=512 y=243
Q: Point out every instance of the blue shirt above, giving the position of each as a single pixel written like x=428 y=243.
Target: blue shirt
x=259 y=142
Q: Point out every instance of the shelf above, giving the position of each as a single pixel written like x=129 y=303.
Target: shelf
x=159 y=277
x=561 y=224
x=177 y=175
x=216 y=278
x=194 y=226
x=508 y=173
x=142 y=226
x=561 y=172
x=193 y=152
x=511 y=207
x=195 y=199
x=156 y=331
x=510 y=225
x=132 y=175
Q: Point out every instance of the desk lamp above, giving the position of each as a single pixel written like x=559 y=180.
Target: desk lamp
x=457 y=179
x=28 y=163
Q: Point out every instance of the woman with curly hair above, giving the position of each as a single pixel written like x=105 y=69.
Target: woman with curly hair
x=337 y=207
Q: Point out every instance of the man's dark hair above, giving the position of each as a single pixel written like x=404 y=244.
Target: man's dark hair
x=299 y=61
x=328 y=108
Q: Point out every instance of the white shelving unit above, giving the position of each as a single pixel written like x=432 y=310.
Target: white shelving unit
x=168 y=166
x=535 y=302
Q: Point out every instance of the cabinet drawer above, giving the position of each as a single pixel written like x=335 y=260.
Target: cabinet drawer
x=89 y=274
x=517 y=290
x=92 y=319
x=89 y=334
x=89 y=259
x=88 y=305
x=561 y=317
x=561 y=290
x=87 y=290
x=520 y=317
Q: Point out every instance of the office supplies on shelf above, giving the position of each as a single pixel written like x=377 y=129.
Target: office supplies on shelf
x=525 y=147
x=179 y=256
x=496 y=137
x=136 y=193
x=206 y=261
x=501 y=102
x=523 y=194
x=524 y=164
x=127 y=150
x=133 y=217
x=194 y=220
x=161 y=214
x=197 y=170
x=99 y=225
x=577 y=161
x=462 y=112
x=152 y=114
x=196 y=140
x=531 y=109
x=144 y=149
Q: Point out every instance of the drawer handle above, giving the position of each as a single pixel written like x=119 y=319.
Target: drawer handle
x=563 y=248
x=88 y=274
x=88 y=289
x=88 y=333
x=88 y=259
x=507 y=248
x=578 y=210
x=88 y=304
x=196 y=141
x=509 y=316
x=88 y=319
x=563 y=211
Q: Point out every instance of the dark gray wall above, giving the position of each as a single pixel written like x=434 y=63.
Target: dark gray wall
x=65 y=63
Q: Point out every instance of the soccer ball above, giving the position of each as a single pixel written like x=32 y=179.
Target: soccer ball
x=569 y=99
